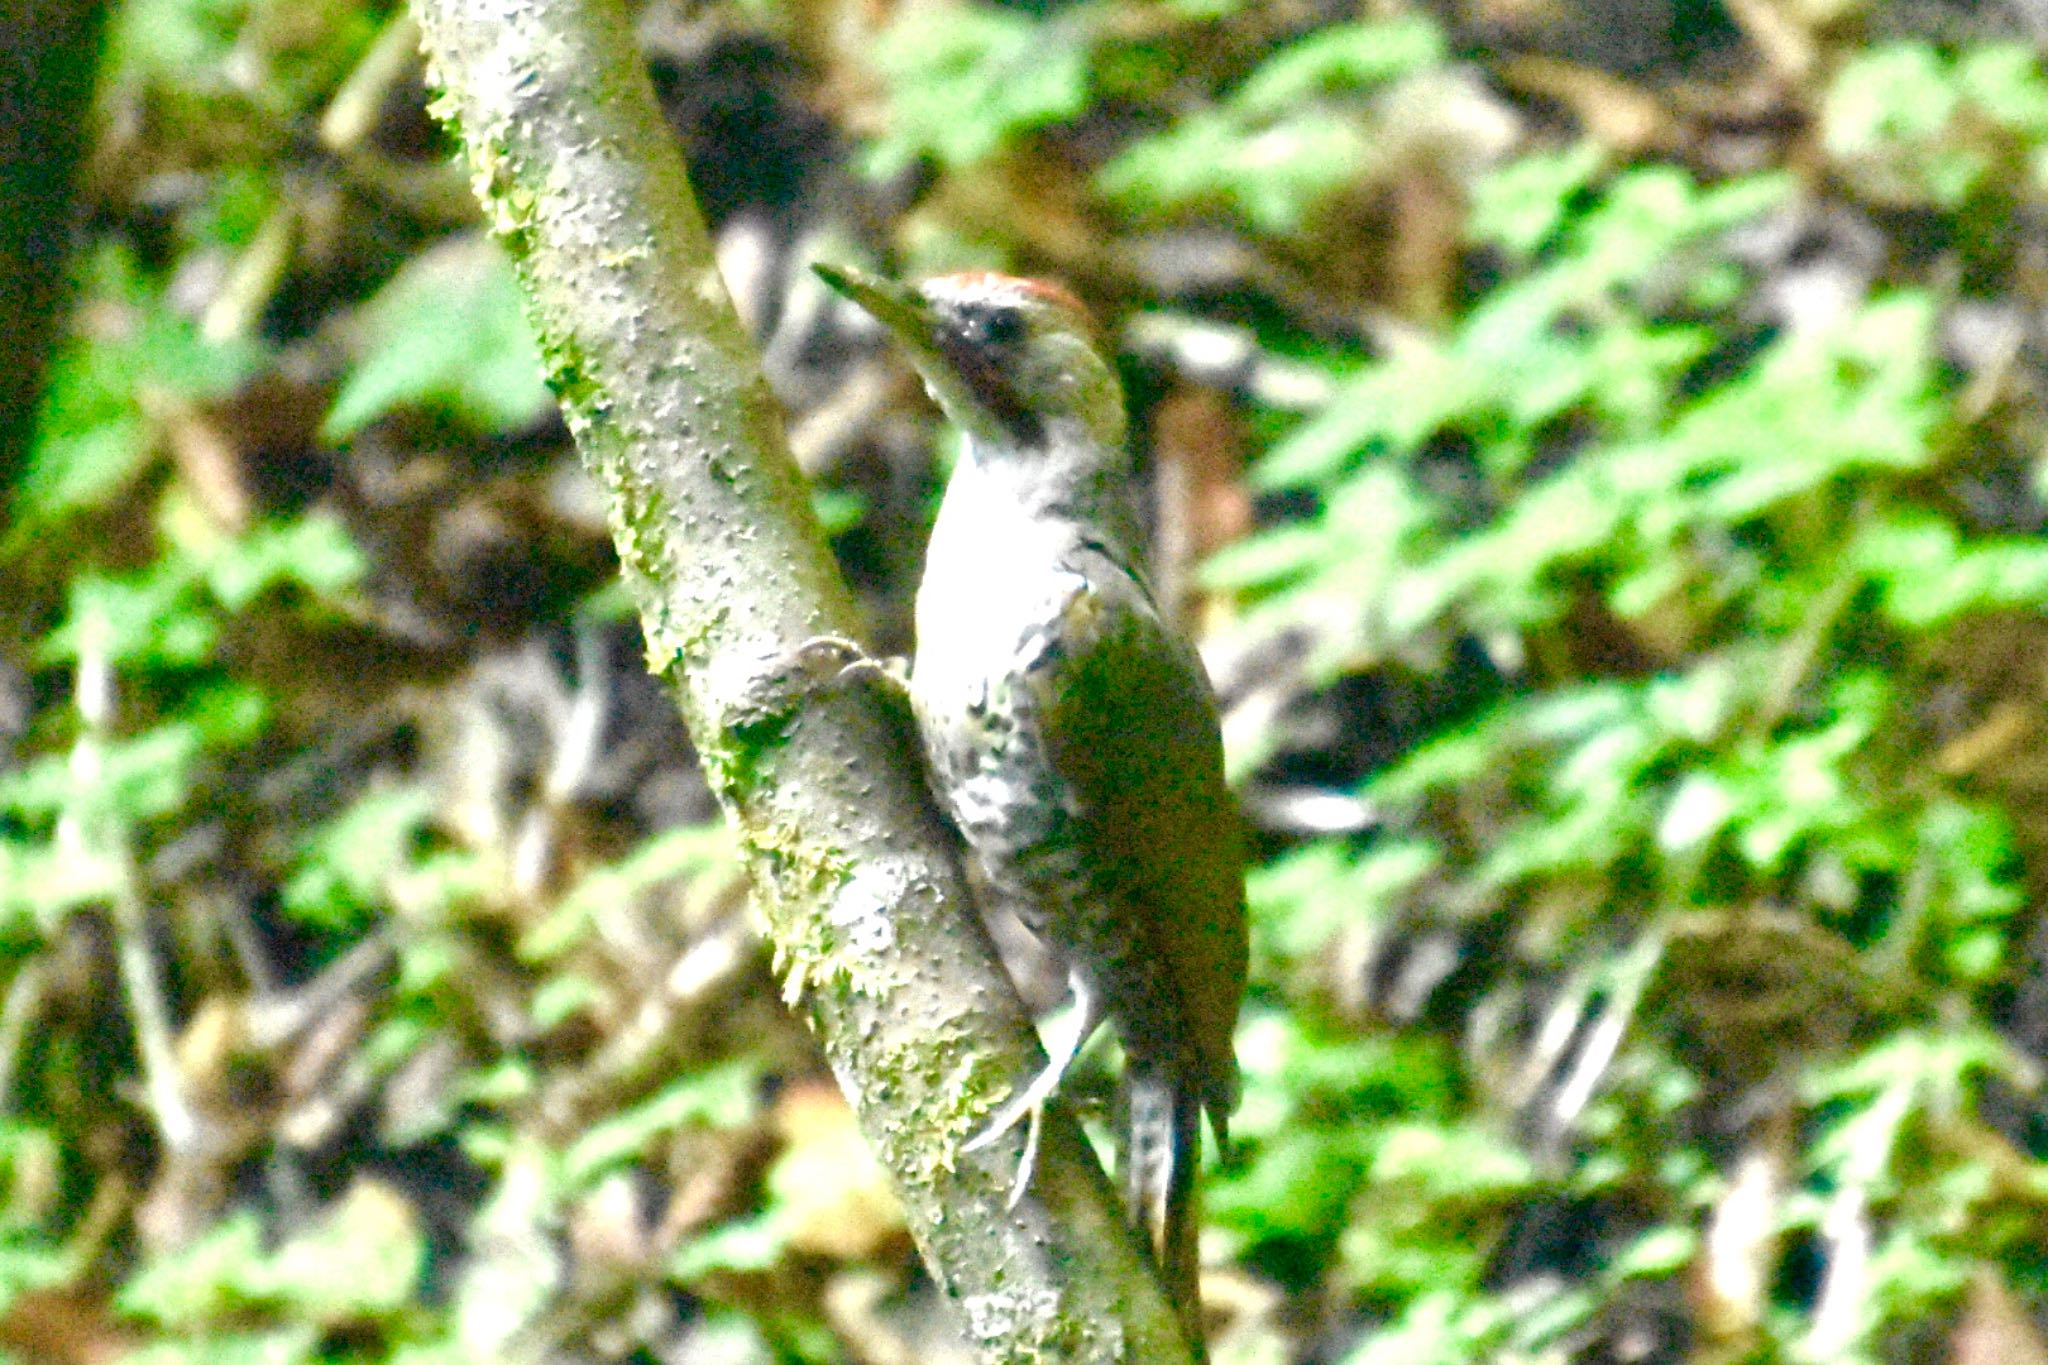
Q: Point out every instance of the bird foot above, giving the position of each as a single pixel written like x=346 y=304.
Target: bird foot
x=1063 y=1045
x=782 y=681
x=821 y=652
x=1027 y=1165
x=1029 y=1109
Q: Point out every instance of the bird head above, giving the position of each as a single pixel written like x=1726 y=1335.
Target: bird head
x=1014 y=362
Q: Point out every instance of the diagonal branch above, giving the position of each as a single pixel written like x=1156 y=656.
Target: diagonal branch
x=870 y=917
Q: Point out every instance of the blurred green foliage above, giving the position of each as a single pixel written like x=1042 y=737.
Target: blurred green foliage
x=1721 y=860
x=1274 y=146
x=448 y=332
x=965 y=87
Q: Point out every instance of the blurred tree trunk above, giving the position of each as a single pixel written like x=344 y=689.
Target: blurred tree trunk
x=49 y=54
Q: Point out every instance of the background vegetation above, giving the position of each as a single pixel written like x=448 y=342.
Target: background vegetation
x=1600 y=449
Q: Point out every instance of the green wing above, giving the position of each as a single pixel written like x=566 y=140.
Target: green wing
x=1131 y=725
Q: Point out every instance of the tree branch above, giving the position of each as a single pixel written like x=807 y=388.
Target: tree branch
x=871 y=921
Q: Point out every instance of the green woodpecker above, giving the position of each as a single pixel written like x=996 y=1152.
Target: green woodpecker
x=1070 y=730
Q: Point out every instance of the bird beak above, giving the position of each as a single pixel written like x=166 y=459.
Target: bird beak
x=894 y=304
x=965 y=384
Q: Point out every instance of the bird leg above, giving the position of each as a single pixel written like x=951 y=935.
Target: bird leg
x=1064 y=1044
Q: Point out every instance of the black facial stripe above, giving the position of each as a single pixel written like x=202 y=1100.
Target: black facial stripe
x=966 y=340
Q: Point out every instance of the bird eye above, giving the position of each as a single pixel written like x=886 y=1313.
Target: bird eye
x=996 y=327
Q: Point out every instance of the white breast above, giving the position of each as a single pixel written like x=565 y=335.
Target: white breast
x=992 y=580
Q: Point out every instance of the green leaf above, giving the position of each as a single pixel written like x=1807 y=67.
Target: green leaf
x=177 y=42
x=154 y=619
x=315 y=552
x=966 y=82
x=1276 y=146
x=1657 y=1254
x=673 y=854
x=210 y=1276
x=347 y=867
x=1340 y=58
x=2005 y=81
x=1522 y=205
x=95 y=435
x=745 y=1245
x=1893 y=119
x=448 y=333
x=362 y=1259
x=39 y=882
x=722 y=1096
x=95 y=432
x=1887 y=95
x=1928 y=576
x=142 y=777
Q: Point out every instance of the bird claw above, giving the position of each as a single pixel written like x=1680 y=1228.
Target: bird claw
x=1064 y=1044
x=783 y=680
x=820 y=652
x=1027 y=1165
x=1007 y=1118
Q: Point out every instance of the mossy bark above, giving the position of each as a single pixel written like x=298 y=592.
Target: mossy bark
x=871 y=920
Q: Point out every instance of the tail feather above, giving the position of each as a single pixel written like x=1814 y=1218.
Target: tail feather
x=1161 y=1149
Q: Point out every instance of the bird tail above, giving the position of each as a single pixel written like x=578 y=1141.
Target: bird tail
x=1161 y=1149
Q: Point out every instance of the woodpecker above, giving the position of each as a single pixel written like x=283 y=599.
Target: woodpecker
x=1070 y=731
